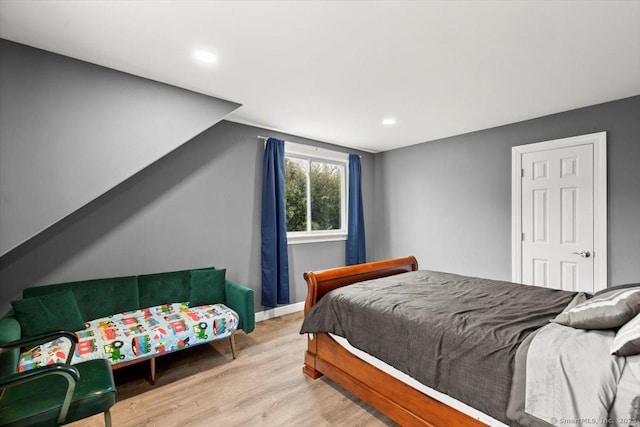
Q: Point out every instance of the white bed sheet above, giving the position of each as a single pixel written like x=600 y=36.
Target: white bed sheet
x=628 y=390
x=390 y=370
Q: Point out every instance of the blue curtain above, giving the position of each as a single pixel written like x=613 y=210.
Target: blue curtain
x=356 y=251
x=275 y=264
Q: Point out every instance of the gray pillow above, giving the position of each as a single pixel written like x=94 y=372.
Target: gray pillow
x=616 y=287
x=627 y=340
x=608 y=310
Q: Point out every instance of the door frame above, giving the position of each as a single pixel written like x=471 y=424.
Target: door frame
x=599 y=142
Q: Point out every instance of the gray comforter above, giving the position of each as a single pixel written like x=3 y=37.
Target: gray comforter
x=456 y=334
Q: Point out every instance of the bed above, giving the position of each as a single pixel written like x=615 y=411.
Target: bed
x=477 y=373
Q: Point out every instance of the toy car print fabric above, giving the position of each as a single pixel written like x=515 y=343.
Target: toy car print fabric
x=142 y=333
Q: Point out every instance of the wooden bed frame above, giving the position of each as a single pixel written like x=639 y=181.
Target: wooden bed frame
x=324 y=356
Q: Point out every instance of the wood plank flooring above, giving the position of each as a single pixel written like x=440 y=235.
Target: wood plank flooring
x=264 y=386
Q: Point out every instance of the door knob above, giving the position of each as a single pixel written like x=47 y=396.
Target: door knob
x=583 y=254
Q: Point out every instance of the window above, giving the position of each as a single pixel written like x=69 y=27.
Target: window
x=315 y=189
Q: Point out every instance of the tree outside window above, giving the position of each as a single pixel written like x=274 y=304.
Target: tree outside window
x=315 y=196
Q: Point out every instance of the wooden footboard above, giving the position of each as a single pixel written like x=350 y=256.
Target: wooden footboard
x=324 y=356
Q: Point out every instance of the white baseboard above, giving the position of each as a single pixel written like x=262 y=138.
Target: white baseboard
x=279 y=311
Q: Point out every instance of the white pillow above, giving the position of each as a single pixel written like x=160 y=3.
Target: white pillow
x=627 y=340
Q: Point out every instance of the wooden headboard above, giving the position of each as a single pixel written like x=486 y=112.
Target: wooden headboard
x=321 y=282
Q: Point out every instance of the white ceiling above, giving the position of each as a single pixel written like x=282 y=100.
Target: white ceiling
x=333 y=70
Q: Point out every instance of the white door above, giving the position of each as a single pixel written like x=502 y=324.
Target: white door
x=559 y=245
x=557 y=218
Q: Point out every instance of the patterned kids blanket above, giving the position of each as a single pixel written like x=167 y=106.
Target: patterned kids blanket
x=136 y=334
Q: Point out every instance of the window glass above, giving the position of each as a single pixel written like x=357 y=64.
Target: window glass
x=315 y=193
x=326 y=196
x=296 y=177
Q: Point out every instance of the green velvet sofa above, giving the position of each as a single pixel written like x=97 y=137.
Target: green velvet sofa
x=105 y=297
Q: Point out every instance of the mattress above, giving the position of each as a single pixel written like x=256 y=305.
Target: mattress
x=620 y=414
x=415 y=384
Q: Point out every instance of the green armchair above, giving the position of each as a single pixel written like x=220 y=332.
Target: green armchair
x=55 y=394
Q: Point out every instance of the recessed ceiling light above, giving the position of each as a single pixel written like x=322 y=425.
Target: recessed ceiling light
x=205 y=56
x=389 y=122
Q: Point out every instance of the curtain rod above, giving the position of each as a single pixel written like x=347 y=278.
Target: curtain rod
x=266 y=137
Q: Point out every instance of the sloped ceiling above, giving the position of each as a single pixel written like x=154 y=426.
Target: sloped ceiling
x=70 y=131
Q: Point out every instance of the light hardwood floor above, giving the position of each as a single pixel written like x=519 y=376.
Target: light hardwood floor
x=264 y=386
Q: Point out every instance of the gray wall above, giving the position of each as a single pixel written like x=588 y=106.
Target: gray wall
x=449 y=201
x=70 y=130
x=197 y=206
